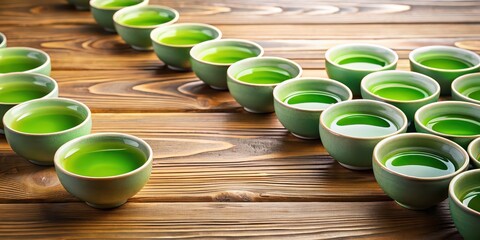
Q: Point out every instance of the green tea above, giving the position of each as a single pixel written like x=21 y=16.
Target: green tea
x=119 y=3
x=264 y=75
x=147 y=18
x=445 y=62
x=420 y=163
x=455 y=124
x=184 y=37
x=47 y=120
x=472 y=199
x=473 y=93
x=362 y=62
x=363 y=125
x=17 y=92
x=311 y=100
x=399 y=91
x=18 y=64
x=227 y=54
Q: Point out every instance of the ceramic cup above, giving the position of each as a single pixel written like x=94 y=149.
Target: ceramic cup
x=79 y=4
x=457 y=129
x=466 y=219
x=467 y=88
x=474 y=152
x=410 y=191
x=177 y=55
x=256 y=96
x=212 y=73
x=24 y=59
x=406 y=90
x=39 y=148
x=443 y=76
x=354 y=151
x=300 y=121
x=336 y=59
x=3 y=40
x=25 y=87
x=103 y=10
x=137 y=34
x=104 y=192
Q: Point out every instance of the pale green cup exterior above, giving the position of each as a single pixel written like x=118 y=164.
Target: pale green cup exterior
x=139 y=36
x=257 y=98
x=355 y=153
x=466 y=219
x=104 y=15
x=215 y=74
x=411 y=192
x=462 y=84
x=40 y=148
x=409 y=107
x=444 y=77
x=433 y=110
x=3 y=40
x=104 y=192
x=80 y=4
x=30 y=78
x=177 y=57
x=474 y=152
x=303 y=123
x=352 y=77
x=38 y=54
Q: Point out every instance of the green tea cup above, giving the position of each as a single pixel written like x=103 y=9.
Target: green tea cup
x=467 y=88
x=104 y=169
x=3 y=40
x=350 y=130
x=457 y=121
x=474 y=152
x=37 y=128
x=414 y=169
x=173 y=43
x=211 y=59
x=103 y=10
x=350 y=63
x=80 y=4
x=444 y=64
x=299 y=102
x=24 y=59
x=251 y=81
x=134 y=24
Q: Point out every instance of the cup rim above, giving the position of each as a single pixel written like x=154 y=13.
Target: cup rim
x=46 y=63
x=261 y=58
x=317 y=79
x=336 y=47
x=454 y=197
x=420 y=135
x=117 y=14
x=194 y=48
x=48 y=95
x=85 y=121
x=93 y=4
x=155 y=32
x=430 y=80
x=412 y=54
x=462 y=78
x=3 y=37
x=473 y=143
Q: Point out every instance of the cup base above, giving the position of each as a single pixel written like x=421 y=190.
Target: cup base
x=254 y=111
x=82 y=8
x=410 y=207
x=179 y=69
x=40 y=163
x=105 y=206
x=112 y=30
x=303 y=137
x=142 y=48
x=218 y=88
x=354 y=167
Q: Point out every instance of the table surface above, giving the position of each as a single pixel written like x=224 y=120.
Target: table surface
x=219 y=171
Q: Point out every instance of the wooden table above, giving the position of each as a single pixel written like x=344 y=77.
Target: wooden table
x=219 y=171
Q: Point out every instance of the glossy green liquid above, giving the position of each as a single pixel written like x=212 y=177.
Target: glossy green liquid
x=473 y=93
x=445 y=62
x=363 y=125
x=104 y=159
x=311 y=100
x=119 y=3
x=18 y=64
x=185 y=37
x=455 y=124
x=362 y=62
x=264 y=75
x=472 y=199
x=399 y=91
x=227 y=54
x=47 y=120
x=420 y=163
x=17 y=92
x=147 y=18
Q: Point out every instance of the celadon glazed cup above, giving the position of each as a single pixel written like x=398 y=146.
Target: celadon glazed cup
x=474 y=152
x=411 y=192
x=43 y=67
x=353 y=152
x=46 y=83
x=40 y=148
x=467 y=88
x=425 y=83
x=103 y=15
x=79 y=4
x=215 y=74
x=466 y=219
x=444 y=77
x=104 y=192
x=353 y=76
x=3 y=40
x=139 y=36
x=303 y=123
x=255 y=97
x=177 y=57
x=439 y=109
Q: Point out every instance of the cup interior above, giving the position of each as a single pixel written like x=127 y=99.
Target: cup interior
x=201 y=50
x=207 y=31
x=114 y=4
x=126 y=15
x=474 y=150
x=462 y=184
x=29 y=57
x=2 y=38
x=421 y=54
x=467 y=84
x=342 y=52
x=18 y=82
